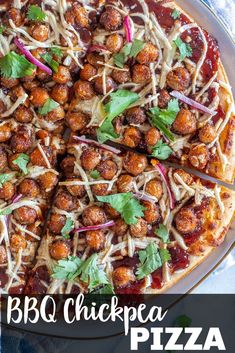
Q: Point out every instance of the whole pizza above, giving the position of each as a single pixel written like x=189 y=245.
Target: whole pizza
x=102 y=106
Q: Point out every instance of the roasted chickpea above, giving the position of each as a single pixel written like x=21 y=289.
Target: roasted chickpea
x=21 y=141
x=62 y=76
x=25 y=215
x=87 y=72
x=3 y=255
x=186 y=221
x=83 y=90
x=123 y=276
x=134 y=163
x=163 y=99
x=90 y=158
x=60 y=93
x=121 y=76
x=3 y=107
x=151 y=212
x=187 y=178
x=38 y=96
x=141 y=73
x=64 y=201
x=178 y=79
x=5 y=133
x=131 y=137
x=111 y=211
x=7 y=191
x=39 y=31
x=98 y=84
x=48 y=181
x=114 y=43
x=23 y=114
x=67 y=165
x=56 y=114
x=29 y=85
x=185 y=122
x=207 y=133
x=16 y=16
x=199 y=156
x=66 y=42
x=125 y=183
x=70 y=16
x=42 y=75
x=107 y=169
x=33 y=228
x=3 y=160
x=9 y=82
x=93 y=215
x=11 y=160
x=136 y=116
x=100 y=189
x=140 y=229
x=18 y=242
x=56 y=223
x=95 y=239
x=29 y=187
x=152 y=136
x=154 y=188
x=76 y=190
x=94 y=59
x=37 y=159
x=17 y=92
x=77 y=120
x=81 y=16
x=59 y=250
x=111 y=19
x=148 y=54
x=120 y=227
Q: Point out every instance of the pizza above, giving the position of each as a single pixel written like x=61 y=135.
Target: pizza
x=95 y=98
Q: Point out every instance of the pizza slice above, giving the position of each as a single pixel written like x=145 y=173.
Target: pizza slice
x=123 y=224
x=153 y=80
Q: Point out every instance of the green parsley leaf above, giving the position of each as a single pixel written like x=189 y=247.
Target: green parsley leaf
x=129 y=208
x=184 y=48
x=35 y=13
x=2 y=29
x=183 y=321
x=107 y=289
x=56 y=51
x=162 y=232
x=95 y=174
x=136 y=47
x=50 y=61
x=69 y=225
x=67 y=269
x=175 y=14
x=13 y=65
x=119 y=102
x=150 y=260
x=165 y=255
x=161 y=150
x=5 y=212
x=121 y=57
x=21 y=161
x=48 y=106
x=4 y=178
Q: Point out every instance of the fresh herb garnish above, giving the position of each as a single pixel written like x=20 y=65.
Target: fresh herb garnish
x=150 y=261
x=136 y=47
x=162 y=233
x=184 y=48
x=105 y=290
x=35 y=13
x=183 y=321
x=21 y=161
x=13 y=65
x=5 y=212
x=130 y=50
x=2 y=29
x=48 y=106
x=69 y=225
x=56 y=51
x=175 y=14
x=95 y=174
x=67 y=269
x=119 y=102
x=161 y=150
x=48 y=57
x=4 y=178
x=165 y=255
x=125 y=203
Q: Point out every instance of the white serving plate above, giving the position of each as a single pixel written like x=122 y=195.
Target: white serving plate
x=207 y=19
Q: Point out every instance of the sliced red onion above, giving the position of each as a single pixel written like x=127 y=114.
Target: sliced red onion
x=97 y=48
x=192 y=103
x=144 y=197
x=163 y=174
x=128 y=29
x=83 y=139
x=15 y=199
x=97 y=227
x=30 y=57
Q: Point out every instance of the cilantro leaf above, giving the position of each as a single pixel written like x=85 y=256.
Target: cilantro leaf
x=129 y=208
x=184 y=48
x=150 y=261
x=56 y=51
x=175 y=14
x=13 y=65
x=107 y=289
x=4 y=178
x=48 y=106
x=136 y=47
x=95 y=174
x=119 y=102
x=50 y=61
x=67 y=269
x=6 y=212
x=21 y=161
x=2 y=29
x=161 y=150
x=121 y=57
x=69 y=225
x=35 y=13
x=183 y=321
x=165 y=255
x=162 y=232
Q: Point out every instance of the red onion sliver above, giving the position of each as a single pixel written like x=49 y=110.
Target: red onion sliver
x=144 y=197
x=97 y=227
x=15 y=199
x=192 y=103
x=163 y=174
x=97 y=48
x=30 y=57
x=83 y=139
x=128 y=29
